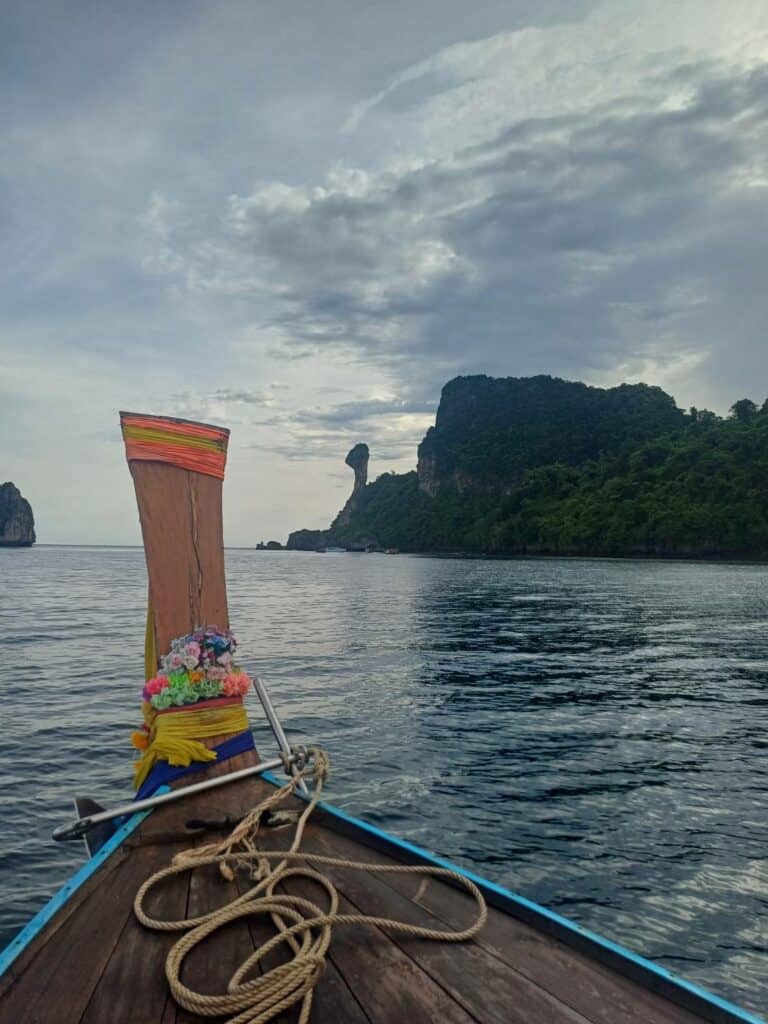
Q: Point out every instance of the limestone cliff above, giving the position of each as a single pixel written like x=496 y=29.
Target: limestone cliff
x=357 y=459
x=17 y=524
x=490 y=431
x=313 y=540
x=540 y=465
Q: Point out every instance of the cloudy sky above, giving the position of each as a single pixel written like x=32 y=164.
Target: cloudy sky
x=301 y=219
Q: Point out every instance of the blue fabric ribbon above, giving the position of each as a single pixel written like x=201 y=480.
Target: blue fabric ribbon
x=163 y=773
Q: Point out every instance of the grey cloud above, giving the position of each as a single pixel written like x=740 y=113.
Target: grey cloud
x=329 y=432
x=625 y=236
x=221 y=404
x=355 y=413
x=313 y=445
x=244 y=397
x=102 y=107
x=291 y=352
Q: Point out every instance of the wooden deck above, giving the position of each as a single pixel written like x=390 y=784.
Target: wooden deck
x=94 y=964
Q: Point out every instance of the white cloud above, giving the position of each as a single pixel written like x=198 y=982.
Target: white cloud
x=621 y=51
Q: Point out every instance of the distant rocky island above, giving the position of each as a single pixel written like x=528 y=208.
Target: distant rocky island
x=540 y=465
x=17 y=524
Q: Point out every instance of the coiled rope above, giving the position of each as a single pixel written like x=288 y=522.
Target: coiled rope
x=301 y=924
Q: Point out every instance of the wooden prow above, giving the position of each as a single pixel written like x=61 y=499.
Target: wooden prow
x=181 y=522
x=178 y=471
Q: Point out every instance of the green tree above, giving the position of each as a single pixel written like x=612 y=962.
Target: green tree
x=744 y=410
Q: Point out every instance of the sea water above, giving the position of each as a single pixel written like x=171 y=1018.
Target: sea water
x=592 y=734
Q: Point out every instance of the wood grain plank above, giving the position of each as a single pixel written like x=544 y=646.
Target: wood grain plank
x=488 y=989
x=181 y=525
x=76 y=950
x=333 y=999
x=28 y=956
x=209 y=966
x=133 y=988
x=592 y=988
x=589 y=987
x=59 y=984
x=261 y=931
x=392 y=981
x=388 y=983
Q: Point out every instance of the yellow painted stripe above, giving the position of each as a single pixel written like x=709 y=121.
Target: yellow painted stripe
x=169 y=437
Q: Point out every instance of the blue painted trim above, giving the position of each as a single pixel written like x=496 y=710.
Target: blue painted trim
x=18 y=944
x=540 y=911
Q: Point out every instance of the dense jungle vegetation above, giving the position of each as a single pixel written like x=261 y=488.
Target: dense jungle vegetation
x=538 y=465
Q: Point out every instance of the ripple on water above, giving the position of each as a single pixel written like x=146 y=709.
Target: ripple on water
x=590 y=733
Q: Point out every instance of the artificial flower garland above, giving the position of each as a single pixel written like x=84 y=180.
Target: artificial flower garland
x=198 y=667
x=199 y=670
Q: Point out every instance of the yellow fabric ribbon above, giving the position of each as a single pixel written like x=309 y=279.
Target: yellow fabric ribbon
x=175 y=738
x=150 y=643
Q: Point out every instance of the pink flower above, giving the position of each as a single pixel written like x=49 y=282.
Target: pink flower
x=192 y=649
x=174 y=660
x=236 y=684
x=155 y=685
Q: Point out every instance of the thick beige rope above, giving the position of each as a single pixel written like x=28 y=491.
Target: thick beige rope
x=299 y=922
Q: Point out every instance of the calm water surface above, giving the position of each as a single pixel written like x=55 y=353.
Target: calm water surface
x=592 y=734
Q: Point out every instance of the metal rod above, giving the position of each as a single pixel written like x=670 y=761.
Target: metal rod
x=80 y=827
x=277 y=728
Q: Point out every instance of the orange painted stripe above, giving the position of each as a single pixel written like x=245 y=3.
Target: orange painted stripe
x=198 y=447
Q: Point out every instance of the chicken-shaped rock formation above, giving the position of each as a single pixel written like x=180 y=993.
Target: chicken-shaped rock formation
x=357 y=459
